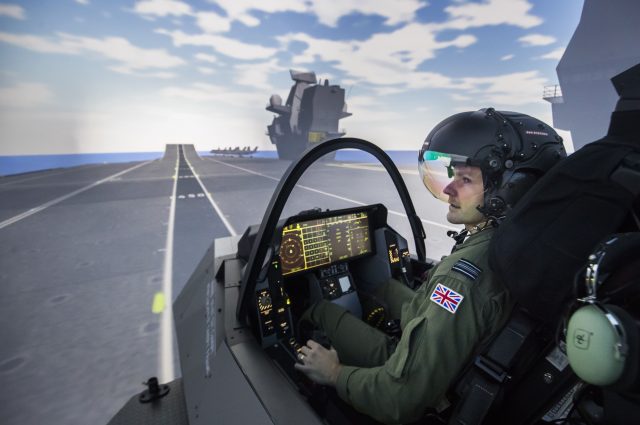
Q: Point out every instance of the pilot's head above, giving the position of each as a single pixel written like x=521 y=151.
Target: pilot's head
x=482 y=162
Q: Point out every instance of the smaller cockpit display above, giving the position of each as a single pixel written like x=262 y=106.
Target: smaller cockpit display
x=314 y=243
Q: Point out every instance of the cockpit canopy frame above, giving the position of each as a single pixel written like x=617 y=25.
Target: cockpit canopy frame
x=286 y=185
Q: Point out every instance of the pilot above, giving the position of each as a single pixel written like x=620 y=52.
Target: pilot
x=480 y=163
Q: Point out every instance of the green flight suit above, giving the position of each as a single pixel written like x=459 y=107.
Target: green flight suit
x=397 y=383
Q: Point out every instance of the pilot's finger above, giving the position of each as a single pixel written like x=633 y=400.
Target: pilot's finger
x=312 y=344
x=305 y=350
x=301 y=367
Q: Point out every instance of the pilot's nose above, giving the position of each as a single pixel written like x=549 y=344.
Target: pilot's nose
x=450 y=190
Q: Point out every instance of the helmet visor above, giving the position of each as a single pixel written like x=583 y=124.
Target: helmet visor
x=438 y=170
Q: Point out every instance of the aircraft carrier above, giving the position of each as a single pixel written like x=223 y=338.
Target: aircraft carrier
x=91 y=258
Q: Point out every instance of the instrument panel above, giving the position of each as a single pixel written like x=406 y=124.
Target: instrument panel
x=309 y=244
x=315 y=261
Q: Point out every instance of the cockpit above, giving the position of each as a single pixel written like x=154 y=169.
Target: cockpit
x=270 y=277
x=338 y=256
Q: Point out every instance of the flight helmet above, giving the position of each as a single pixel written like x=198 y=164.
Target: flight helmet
x=511 y=149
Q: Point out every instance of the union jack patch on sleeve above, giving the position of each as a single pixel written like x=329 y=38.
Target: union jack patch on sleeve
x=446 y=298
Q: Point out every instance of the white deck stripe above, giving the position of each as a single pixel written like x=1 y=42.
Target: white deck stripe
x=35 y=210
x=228 y=225
x=166 y=325
x=400 y=214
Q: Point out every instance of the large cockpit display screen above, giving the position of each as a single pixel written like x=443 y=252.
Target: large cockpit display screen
x=314 y=243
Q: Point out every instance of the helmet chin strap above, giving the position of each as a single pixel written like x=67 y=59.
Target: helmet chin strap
x=480 y=227
x=459 y=237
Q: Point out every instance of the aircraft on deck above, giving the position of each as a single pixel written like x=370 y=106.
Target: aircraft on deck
x=237 y=151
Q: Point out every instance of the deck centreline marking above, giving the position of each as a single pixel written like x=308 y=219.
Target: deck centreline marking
x=433 y=223
x=44 y=206
x=228 y=225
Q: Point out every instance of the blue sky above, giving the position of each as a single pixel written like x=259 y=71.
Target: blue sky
x=85 y=76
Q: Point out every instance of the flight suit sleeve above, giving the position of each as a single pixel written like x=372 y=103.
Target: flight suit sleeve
x=434 y=346
x=394 y=294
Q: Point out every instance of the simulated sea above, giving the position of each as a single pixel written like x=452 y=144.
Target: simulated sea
x=29 y=163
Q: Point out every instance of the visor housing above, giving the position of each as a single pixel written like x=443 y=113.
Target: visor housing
x=437 y=171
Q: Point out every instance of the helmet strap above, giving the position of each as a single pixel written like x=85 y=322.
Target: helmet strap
x=459 y=237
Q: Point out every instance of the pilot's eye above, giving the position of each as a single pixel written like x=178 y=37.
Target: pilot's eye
x=466 y=180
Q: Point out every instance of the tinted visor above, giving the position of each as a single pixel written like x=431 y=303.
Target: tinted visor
x=437 y=171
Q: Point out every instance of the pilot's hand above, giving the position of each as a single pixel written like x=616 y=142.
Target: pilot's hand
x=319 y=364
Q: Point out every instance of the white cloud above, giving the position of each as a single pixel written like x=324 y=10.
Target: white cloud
x=238 y=10
x=460 y=97
x=256 y=74
x=507 y=57
x=385 y=91
x=385 y=59
x=328 y=13
x=492 y=12
x=128 y=71
x=25 y=95
x=210 y=93
x=554 y=54
x=199 y=92
x=83 y=2
x=395 y=61
x=211 y=22
x=12 y=11
x=226 y=46
x=520 y=88
x=36 y=43
x=162 y=8
x=206 y=71
x=537 y=40
x=121 y=50
x=206 y=58
x=372 y=117
x=118 y=49
x=363 y=102
x=162 y=75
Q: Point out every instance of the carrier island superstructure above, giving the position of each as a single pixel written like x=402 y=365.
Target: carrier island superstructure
x=309 y=116
x=605 y=43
